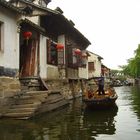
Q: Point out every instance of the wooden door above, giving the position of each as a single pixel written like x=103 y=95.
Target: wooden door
x=28 y=58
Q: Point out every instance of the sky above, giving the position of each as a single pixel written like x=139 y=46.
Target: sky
x=112 y=26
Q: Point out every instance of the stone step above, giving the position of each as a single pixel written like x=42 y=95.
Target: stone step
x=22 y=96
x=39 y=96
x=18 y=114
x=37 y=92
x=41 y=99
x=33 y=98
x=27 y=101
x=20 y=110
x=22 y=118
x=54 y=91
x=33 y=85
x=50 y=101
x=54 y=96
x=34 y=105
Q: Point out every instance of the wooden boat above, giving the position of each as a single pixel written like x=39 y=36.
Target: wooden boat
x=95 y=101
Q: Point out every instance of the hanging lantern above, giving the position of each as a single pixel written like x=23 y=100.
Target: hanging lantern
x=27 y=35
x=77 y=51
x=60 y=46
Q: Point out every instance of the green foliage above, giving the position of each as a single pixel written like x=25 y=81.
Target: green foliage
x=133 y=67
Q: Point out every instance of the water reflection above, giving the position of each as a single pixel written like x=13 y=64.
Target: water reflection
x=100 y=122
x=59 y=125
x=75 y=122
x=135 y=93
x=46 y=127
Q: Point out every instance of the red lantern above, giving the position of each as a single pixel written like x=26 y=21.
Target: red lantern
x=77 y=51
x=27 y=35
x=60 y=46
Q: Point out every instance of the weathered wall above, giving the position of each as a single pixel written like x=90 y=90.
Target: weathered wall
x=69 y=88
x=52 y=72
x=72 y=73
x=9 y=56
x=83 y=72
x=43 y=57
x=8 y=88
x=97 y=65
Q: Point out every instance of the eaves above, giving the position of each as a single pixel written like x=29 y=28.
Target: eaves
x=9 y=6
x=33 y=25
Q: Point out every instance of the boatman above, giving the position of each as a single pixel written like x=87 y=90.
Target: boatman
x=101 y=86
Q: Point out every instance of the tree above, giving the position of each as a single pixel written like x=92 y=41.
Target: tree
x=133 y=67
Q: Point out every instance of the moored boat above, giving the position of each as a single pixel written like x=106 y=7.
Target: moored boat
x=95 y=101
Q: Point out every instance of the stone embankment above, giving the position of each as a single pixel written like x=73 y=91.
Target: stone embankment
x=31 y=103
x=24 y=104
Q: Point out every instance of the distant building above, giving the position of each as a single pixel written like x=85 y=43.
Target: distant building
x=94 y=65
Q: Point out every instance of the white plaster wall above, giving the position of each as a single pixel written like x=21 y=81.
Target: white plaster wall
x=43 y=57
x=83 y=72
x=9 y=57
x=34 y=19
x=52 y=72
x=97 y=64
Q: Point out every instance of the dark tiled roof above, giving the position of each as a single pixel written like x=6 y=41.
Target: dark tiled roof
x=35 y=26
x=37 y=6
x=10 y=7
x=59 y=17
x=96 y=55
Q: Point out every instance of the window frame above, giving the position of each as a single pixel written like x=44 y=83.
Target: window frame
x=91 y=66
x=50 y=44
x=72 y=61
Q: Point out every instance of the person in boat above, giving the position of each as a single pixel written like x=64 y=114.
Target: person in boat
x=101 y=85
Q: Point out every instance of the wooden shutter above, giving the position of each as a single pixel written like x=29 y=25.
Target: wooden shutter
x=91 y=66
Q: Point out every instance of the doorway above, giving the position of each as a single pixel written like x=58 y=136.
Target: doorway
x=29 y=58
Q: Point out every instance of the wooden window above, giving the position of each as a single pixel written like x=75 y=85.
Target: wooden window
x=72 y=58
x=91 y=66
x=51 y=53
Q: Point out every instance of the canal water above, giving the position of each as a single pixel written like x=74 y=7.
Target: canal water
x=75 y=122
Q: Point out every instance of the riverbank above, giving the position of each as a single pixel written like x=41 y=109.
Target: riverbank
x=25 y=99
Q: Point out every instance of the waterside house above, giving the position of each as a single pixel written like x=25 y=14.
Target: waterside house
x=94 y=65
x=43 y=59
x=95 y=69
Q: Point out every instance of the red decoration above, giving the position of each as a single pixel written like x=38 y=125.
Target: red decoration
x=77 y=51
x=27 y=35
x=60 y=46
